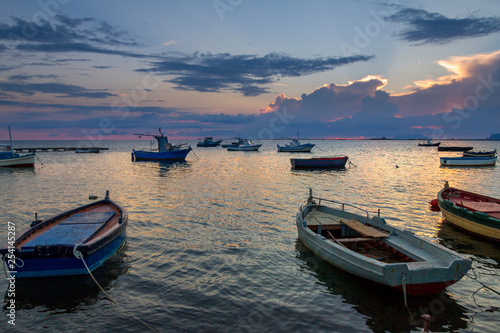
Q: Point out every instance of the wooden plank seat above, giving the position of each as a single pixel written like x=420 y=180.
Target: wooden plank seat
x=316 y=217
x=354 y=240
x=363 y=229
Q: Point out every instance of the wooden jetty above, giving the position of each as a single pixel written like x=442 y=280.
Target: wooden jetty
x=31 y=149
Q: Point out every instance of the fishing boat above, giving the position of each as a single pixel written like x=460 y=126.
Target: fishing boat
x=165 y=152
x=455 y=148
x=295 y=146
x=475 y=213
x=88 y=150
x=471 y=153
x=429 y=143
x=468 y=161
x=238 y=142
x=246 y=146
x=10 y=159
x=74 y=242
x=336 y=162
x=347 y=237
x=208 y=141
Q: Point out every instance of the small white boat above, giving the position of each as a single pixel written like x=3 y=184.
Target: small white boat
x=246 y=146
x=468 y=161
x=490 y=153
x=296 y=147
x=370 y=248
x=12 y=160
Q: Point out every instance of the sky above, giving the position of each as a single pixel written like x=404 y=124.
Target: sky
x=97 y=70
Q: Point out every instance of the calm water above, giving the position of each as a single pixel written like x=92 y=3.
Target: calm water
x=212 y=246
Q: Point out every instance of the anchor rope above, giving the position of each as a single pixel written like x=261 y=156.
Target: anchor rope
x=79 y=255
x=483 y=285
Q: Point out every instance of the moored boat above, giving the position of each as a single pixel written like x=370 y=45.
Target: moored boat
x=247 y=145
x=468 y=161
x=335 y=162
x=471 y=153
x=454 y=148
x=12 y=160
x=296 y=147
x=68 y=243
x=234 y=143
x=429 y=143
x=165 y=152
x=88 y=150
x=370 y=248
x=475 y=213
x=208 y=141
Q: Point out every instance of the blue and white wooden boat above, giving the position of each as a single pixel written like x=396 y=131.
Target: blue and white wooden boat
x=10 y=159
x=347 y=237
x=336 y=162
x=208 y=141
x=50 y=247
x=468 y=161
x=246 y=146
x=165 y=152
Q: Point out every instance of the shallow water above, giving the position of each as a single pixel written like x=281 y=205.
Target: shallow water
x=212 y=245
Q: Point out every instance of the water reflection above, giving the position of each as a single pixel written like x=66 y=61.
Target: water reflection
x=69 y=293
x=383 y=307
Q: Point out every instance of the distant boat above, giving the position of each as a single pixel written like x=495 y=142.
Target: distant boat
x=246 y=146
x=468 y=161
x=208 y=142
x=336 y=162
x=472 y=212
x=234 y=143
x=10 y=159
x=296 y=147
x=165 y=151
x=346 y=237
x=429 y=143
x=50 y=247
x=88 y=150
x=455 y=148
x=490 y=153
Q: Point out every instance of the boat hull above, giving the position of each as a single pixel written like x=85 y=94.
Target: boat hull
x=429 y=144
x=174 y=155
x=244 y=148
x=21 y=161
x=481 y=153
x=88 y=151
x=319 y=163
x=306 y=148
x=468 y=161
x=455 y=148
x=476 y=223
x=422 y=277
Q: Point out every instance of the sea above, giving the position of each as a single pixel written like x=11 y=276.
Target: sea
x=212 y=245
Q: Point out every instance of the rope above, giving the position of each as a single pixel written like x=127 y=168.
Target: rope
x=79 y=255
x=403 y=285
x=482 y=286
x=39 y=160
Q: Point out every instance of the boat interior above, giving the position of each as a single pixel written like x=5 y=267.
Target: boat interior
x=473 y=202
x=355 y=236
x=79 y=227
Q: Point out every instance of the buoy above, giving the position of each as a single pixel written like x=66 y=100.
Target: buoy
x=434 y=203
x=92 y=197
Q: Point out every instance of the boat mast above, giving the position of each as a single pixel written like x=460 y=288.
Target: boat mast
x=10 y=137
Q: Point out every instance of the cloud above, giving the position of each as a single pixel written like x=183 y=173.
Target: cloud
x=247 y=74
x=59 y=89
x=65 y=34
x=25 y=76
x=423 y=27
x=3 y=48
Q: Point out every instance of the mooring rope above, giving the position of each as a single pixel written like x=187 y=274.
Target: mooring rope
x=403 y=285
x=482 y=286
x=39 y=160
x=79 y=255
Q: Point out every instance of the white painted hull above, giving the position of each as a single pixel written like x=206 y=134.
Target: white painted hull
x=468 y=161
x=244 y=148
x=21 y=161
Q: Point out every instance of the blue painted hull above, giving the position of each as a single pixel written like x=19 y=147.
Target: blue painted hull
x=69 y=265
x=174 y=155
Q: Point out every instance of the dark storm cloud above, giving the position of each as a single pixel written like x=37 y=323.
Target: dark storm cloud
x=59 y=89
x=246 y=74
x=24 y=77
x=424 y=27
